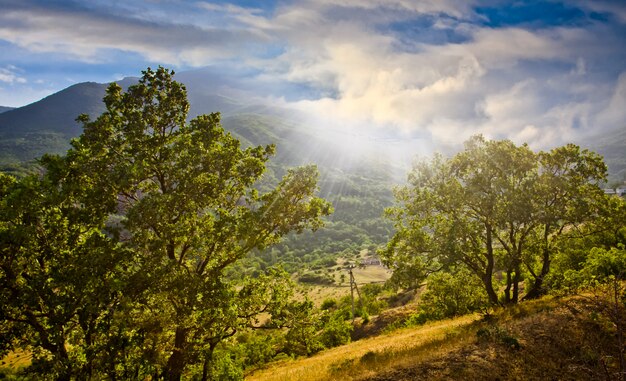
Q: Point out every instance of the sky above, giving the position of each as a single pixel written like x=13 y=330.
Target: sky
x=541 y=72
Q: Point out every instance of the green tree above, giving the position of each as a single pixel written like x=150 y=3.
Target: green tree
x=178 y=199
x=490 y=208
x=566 y=198
x=61 y=275
x=452 y=294
x=472 y=210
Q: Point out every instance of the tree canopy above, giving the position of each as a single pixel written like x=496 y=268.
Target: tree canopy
x=113 y=259
x=496 y=209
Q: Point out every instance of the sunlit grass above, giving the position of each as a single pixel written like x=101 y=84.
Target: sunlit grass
x=362 y=274
x=14 y=361
x=367 y=357
x=409 y=347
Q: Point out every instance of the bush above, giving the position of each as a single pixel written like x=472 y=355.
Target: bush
x=328 y=304
x=336 y=332
x=312 y=278
x=450 y=295
x=225 y=368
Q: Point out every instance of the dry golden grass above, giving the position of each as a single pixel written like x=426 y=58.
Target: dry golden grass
x=362 y=275
x=367 y=357
x=552 y=338
x=16 y=360
x=371 y=274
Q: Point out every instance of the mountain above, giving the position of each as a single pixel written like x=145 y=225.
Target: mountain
x=46 y=126
x=612 y=145
x=55 y=113
x=4 y=108
x=359 y=185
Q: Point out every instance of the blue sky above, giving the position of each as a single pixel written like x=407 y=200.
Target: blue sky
x=543 y=72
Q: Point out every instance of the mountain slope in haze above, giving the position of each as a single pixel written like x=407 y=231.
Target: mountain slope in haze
x=56 y=113
x=358 y=186
x=612 y=146
x=48 y=125
x=5 y=108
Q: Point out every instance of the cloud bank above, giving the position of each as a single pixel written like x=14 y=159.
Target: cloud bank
x=544 y=72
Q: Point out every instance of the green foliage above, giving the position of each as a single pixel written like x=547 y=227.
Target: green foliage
x=258 y=349
x=314 y=278
x=493 y=208
x=224 y=367
x=303 y=339
x=336 y=331
x=328 y=304
x=452 y=294
x=113 y=261
x=600 y=267
x=577 y=247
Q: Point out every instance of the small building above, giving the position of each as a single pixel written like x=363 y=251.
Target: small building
x=370 y=262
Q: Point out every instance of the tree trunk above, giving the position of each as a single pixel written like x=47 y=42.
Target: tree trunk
x=507 y=290
x=516 y=279
x=537 y=289
x=488 y=275
x=208 y=357
x=176 y=363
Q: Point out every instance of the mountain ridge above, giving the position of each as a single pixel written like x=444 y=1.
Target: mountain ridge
x=51 y=121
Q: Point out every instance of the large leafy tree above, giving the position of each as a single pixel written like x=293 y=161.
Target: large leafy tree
x=179 y=199
x=494 y=208
x=61 y=274
x=566 y=198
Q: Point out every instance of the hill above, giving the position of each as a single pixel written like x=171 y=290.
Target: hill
x=55 y=113
x=46 y=126
x=549 y=339
x=4 y=108
x=612 y=146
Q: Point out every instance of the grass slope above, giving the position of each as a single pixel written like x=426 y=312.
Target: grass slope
x=549 y=339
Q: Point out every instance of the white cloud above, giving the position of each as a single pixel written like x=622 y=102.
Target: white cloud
x=542 y=85
x=614 y=114
x=9 y=75
x=91 y=37
x=494 y=83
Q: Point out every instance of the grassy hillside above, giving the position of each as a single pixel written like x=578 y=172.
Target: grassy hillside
x=549 y=339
